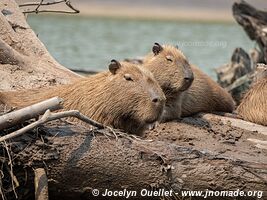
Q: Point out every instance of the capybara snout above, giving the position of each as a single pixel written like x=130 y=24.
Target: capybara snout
x=188 y=77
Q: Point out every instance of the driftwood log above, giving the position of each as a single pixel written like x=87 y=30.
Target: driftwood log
x=196 y=153
x=236 y=76
x=23 y=55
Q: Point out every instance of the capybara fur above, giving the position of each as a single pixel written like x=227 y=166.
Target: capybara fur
x=205 y=95
x=253 y=106
x=260 y=72
x=126 y=97
x=188 y=90
x=173 y=73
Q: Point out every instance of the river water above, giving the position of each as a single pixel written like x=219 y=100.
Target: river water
x=89 y=43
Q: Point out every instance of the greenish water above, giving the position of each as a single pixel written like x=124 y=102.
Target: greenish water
x=90 y=43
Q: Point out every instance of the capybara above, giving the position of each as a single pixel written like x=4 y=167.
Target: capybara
x=188 y=90
x=126 y=97
x=173 y=73
x=253 y=106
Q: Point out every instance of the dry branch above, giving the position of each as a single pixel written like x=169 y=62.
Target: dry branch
x=33 y=111
x=41 y=4
x=47 y=117
x=40 y=184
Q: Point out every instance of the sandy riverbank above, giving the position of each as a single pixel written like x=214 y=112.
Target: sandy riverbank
x=157 y=13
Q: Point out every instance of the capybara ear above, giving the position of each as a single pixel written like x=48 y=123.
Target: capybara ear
x=176 y=46
x=114 y=66
x=157 y=48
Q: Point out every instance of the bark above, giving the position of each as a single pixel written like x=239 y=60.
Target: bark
x=195 y=154
x=40 y=184
x=92 y=160
x=235 y=76
x=23 y=55
x=254 y=22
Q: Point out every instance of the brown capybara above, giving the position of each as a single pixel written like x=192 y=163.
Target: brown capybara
x=188 y=90
x=253 y=106
x=173 y=73
x=205 y=95
x=126 y=97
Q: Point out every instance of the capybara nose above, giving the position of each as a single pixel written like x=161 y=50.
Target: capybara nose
x=158 y=100
x=155 y=100
x=187 y=82
x=189 y=79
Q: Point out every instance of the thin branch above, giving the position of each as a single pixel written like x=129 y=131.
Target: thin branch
x=33 y=111
x=41 y=3
x=49 y=11
x=11 y=171
x=48 y=116
x=68 y=3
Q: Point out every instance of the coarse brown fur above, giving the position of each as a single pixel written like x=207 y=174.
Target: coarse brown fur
x=127 y=97
x=203 y=95
x=170 y=67
x=253 y=106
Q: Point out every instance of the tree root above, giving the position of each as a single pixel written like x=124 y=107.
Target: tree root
x=8 y=55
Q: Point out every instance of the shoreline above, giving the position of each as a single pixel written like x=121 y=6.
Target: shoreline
x=151 y=13
x=156 y=13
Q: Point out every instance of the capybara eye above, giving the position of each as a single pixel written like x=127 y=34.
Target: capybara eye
x=128 y=77
x=169 y=58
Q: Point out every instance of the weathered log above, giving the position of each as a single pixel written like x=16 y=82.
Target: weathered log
x=92 y=161
x=235 y=76
x=23 y=55
x=236 y=123
x=254 y=22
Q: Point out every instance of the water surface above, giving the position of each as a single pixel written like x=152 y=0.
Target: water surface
x=89 y=43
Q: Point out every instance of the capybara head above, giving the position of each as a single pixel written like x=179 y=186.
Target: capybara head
x=135 y=98
x=170 y=68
